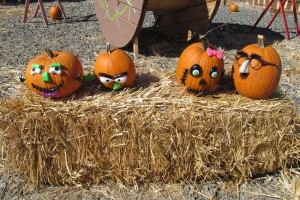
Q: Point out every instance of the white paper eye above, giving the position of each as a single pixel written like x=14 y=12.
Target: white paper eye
x=105 y=80
x=121 y=79
x=36 y=69
x=55 y=68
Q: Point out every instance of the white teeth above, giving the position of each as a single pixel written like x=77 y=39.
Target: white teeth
x=244 y=69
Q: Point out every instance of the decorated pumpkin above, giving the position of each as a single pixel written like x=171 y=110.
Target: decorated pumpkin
x=55 y=13
x=256 y=70
x=114 y=68
x=200 y=68
x=54 y=74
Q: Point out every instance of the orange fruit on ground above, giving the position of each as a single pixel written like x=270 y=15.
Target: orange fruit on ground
x=233 y=7
x=55 y=13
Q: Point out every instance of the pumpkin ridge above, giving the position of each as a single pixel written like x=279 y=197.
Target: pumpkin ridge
x=273 y=73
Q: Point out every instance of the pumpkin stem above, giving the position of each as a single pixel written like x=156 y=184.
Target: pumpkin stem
x=50 y=53
x=205 y=43
x=107 y=48
x=261 y=41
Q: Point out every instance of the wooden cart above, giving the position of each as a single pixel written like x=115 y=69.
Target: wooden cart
x=121 y=20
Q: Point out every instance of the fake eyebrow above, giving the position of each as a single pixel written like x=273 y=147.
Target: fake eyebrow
x=52 y=65
x=113 y=77
x=120 y=75
x=242 y=53
x=255 y=56
x=263 y=62
x=36 y=66
x=106 y=75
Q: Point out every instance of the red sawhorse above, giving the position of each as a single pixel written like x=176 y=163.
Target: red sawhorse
x=281 y=10
x=40 y=6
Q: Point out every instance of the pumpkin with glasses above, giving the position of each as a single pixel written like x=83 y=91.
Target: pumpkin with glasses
x=256 y=70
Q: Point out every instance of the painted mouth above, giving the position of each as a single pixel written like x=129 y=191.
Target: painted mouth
x=198 y=92
x=48 y=92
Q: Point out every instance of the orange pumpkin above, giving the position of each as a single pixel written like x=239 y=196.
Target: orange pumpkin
x=200 y=68
x=54 y=74
x=233 y=7
x=114 y=68
x=55 y=13
x=256 y=71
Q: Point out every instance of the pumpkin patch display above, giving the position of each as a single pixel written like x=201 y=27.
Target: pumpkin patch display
x=54 y=74
x=200 y=68
x=256 y=70
x=55 y=13
x=114 y=68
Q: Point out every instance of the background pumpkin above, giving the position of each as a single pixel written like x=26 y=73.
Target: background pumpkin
x=212 y=68
x=233 y=7
x=260 y=82
x=44 y=77
x=114 y=68
x=55 y=13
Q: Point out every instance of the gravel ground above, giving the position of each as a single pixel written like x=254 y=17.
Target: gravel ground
x=81 y=35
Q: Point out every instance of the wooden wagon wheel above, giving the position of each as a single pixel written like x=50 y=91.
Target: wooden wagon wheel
x=121 y=20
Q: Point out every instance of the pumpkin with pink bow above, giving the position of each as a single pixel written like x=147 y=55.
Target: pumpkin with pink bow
x=200 y=68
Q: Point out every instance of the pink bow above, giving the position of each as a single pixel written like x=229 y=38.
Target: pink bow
x=211 y=52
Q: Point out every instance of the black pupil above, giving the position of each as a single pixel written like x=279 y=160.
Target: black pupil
x=214 y=69
x=33 y=69
x=196 y=70
x=56 y=68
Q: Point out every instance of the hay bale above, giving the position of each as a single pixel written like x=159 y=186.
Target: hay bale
x=154 y=132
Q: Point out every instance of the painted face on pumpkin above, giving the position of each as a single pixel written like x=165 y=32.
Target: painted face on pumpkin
x=54 y=74
x=200 y=79
x=49 y=80
x=115 y=82
x=254 y=61
x=114 y=69
x=200 y=75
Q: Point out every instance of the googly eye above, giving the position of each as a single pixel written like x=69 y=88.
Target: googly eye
x=121 y=79
x=55 y=68
x=214 y=72
x=36 y=69
x=105 y=80
x=196 y=70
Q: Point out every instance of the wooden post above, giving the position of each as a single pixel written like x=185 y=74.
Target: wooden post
x=26 y=10
x=62 y=9
x=136 y=48
x=39 y=6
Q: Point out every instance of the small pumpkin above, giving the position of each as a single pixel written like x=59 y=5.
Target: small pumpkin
x=54 y=74
x=55 y=13
x=200 y=68
x=114 y=68
x=256 y=70
x=233 y=7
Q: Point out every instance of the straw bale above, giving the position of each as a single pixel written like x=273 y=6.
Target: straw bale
x=151 y=132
